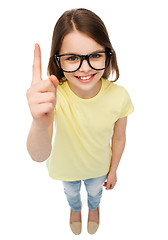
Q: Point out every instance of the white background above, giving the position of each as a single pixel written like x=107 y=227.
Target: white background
x=32 y=205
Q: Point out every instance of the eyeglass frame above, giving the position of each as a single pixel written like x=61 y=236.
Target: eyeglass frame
x=84 y=57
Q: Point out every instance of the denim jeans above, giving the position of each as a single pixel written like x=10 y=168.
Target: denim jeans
x=94 y=188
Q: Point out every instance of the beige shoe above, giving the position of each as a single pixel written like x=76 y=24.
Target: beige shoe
x=76 y=227
x=93 y=226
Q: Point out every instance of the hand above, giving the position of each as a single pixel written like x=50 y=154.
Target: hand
x=41 y=95
x=111 y=181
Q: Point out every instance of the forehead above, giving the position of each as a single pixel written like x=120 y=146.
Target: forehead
x=79 y=43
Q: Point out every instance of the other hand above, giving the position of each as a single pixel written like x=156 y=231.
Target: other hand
x=111 y=181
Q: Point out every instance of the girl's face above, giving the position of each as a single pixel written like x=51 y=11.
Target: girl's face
x=85 y=82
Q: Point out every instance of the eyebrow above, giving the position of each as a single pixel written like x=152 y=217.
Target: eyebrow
x=99 y=50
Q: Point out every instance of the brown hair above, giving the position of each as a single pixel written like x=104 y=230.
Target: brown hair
x=86 y=22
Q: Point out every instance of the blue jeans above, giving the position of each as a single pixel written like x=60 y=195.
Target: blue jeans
x=94 y=188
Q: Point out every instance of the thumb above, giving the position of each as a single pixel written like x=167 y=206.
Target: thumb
x=108 y=186
x=105 y=184
x=54 y=80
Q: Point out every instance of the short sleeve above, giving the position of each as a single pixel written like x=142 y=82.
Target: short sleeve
x=127 y=106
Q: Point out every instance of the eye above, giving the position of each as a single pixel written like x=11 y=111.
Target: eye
x=72 y=58
x=95 y=55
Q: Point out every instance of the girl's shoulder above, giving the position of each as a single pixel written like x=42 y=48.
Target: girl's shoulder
x=111 y=86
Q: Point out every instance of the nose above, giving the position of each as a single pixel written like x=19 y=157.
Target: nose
x=85 y=66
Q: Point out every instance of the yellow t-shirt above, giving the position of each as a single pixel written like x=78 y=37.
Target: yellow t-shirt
x=84 y=128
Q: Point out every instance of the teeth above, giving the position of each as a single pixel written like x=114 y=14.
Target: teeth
x=85 y=78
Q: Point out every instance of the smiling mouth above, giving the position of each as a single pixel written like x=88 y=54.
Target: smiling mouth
x=85 y=78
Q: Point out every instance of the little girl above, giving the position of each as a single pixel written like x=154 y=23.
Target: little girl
x=89 y=112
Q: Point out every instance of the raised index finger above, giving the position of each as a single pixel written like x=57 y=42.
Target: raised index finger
x=36 y=77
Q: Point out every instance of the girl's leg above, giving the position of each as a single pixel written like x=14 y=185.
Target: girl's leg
x=72 y=192
x=94 y=188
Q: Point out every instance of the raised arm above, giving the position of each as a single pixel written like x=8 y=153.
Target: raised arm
x=41 y=98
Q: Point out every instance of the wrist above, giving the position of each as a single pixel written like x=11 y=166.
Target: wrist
x=113 y=171
x=43 y=124
x=39 y=127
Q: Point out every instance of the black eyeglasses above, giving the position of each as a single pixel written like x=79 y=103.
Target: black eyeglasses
x=72 y=62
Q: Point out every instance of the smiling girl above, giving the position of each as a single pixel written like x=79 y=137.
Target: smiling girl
x=89 y=112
